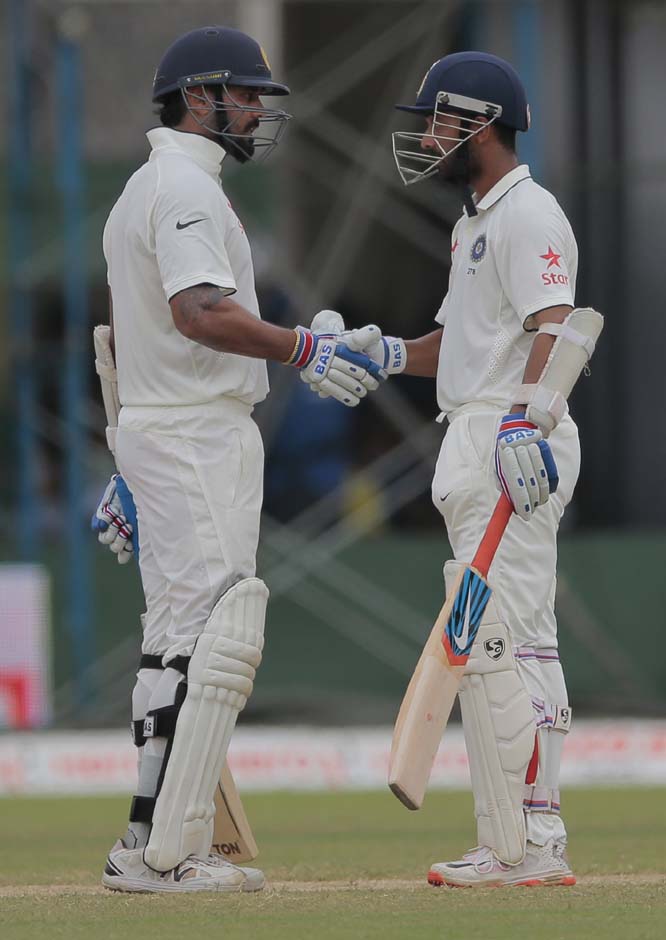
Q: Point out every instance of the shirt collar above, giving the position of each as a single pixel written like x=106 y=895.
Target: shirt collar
x=205 y=152
x=502 y=187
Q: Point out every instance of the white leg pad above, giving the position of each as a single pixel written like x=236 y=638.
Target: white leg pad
x=220 y=678
x=499 y=727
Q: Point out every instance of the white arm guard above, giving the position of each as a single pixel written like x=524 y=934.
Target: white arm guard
x=108 y=377
x=576 y=338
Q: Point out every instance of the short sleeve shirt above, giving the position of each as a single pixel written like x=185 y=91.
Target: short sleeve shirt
x=517 y=256
x=172 y=228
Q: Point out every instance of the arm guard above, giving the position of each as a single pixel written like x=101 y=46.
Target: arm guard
x=576 y=339
x=108 y=377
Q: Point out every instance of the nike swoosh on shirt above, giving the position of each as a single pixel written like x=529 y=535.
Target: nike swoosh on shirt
x=182 y=225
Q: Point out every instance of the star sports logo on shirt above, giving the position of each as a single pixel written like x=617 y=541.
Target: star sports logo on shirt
x=553 y=277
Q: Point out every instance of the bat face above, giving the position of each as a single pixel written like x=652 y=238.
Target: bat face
x=434 y=686
x=465 y=618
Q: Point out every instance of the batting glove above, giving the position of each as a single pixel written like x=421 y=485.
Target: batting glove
x=115 y=520
x=525 y=465
x=329 y=367
x=389 y=352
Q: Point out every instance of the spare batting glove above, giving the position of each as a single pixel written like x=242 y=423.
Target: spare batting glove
x=329 y=367
x=115 y=520
x=524 y=464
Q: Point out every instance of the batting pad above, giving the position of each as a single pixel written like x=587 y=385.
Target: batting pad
x=220 y=677
x=500 y=731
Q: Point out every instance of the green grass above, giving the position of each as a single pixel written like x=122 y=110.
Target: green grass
x=619 y=834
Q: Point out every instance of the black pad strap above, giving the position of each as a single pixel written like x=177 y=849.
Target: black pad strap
x=141 y=809
x=149 y=661
x=138 y=737
x=180 y=663
x=161 y=723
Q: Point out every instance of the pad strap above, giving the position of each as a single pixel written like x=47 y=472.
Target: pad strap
x=541 y=800
x=141 y=809
x=542 y=654
x=543 y=399
x=552 y=717
x=147 y=661
x=150 y=661
x=161 y=722
x=180 y=663
x=568 y=332
x=136 y=730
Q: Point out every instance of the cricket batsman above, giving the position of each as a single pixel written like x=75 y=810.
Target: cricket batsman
x=184 y=364
x=508 y=347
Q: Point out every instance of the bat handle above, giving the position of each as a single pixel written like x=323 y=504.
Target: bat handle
x=493 y=534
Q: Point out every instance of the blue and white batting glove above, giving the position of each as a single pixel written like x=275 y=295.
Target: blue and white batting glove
x=329 y=367
x=525 y=465
x=115 y=520
x=389 y=352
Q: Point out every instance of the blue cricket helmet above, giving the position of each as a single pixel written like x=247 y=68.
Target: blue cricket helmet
x=477 y=75
x=215 y=55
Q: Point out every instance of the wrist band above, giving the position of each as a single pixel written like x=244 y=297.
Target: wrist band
x=292 y=356
x=302 y=350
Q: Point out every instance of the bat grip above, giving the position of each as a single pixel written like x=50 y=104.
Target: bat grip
x=493 y=535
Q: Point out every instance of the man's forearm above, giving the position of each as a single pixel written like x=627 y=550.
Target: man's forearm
x=541 y=347
x=204 y=315
x=423 y=354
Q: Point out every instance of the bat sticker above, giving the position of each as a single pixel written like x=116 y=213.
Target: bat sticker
x=465 y=619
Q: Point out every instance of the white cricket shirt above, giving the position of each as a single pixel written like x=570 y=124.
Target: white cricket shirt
x=172 y=228
x=516 y=257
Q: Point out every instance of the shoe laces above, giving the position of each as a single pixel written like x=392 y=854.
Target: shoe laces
x=216 y=861
x=484 y=859
x=472 y=854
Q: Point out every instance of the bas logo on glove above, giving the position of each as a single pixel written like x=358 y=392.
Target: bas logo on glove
x=525 y=465
x=323 y=359
x=329 y=367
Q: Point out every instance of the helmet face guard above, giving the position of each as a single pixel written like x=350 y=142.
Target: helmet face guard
x=455 y=121
x=244 y=145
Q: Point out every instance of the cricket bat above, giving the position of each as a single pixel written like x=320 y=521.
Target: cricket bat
x=232 y=836
x=432 y=690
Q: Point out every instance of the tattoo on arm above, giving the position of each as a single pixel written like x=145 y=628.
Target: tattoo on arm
x=197 y=300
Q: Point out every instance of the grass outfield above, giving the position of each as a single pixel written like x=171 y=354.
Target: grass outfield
x=340 y=866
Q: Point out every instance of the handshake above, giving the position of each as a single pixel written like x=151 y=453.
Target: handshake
x=345 y=364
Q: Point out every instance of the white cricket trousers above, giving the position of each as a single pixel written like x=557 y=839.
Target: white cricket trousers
x=196 y=474
x=523 y=573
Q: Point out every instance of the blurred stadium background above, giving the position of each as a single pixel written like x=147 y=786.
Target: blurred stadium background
x=352 y=549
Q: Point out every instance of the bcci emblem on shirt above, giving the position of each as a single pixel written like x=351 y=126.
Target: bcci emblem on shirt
x=478 y=249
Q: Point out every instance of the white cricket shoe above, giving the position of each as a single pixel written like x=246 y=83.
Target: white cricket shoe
x=543 y=865
x=125 y=870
